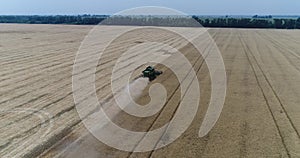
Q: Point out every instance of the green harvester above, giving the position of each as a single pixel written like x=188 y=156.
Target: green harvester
x=151 y=73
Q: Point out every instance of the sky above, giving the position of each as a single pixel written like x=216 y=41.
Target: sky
x=108 y=7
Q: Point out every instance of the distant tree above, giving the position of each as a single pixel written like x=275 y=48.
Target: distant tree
x=278 y=23
x=289 y=24
x=298 y=24
x=207 y=23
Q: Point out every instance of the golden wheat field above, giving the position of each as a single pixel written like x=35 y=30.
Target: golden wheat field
x=260 y=117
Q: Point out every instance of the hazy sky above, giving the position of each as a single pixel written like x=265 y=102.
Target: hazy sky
x=199 y=7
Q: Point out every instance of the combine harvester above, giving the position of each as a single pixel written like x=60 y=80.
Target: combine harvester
x=151 y=73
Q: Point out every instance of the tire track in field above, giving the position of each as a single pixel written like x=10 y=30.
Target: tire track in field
x=173 y=95
x=278 y=98
x=279 y=126
x=281 y=47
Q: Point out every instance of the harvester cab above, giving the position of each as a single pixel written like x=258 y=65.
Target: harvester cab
x=151 y=73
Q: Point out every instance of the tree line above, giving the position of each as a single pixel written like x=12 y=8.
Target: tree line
x=254 y=22
x=278 y=23
x=57 y=19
